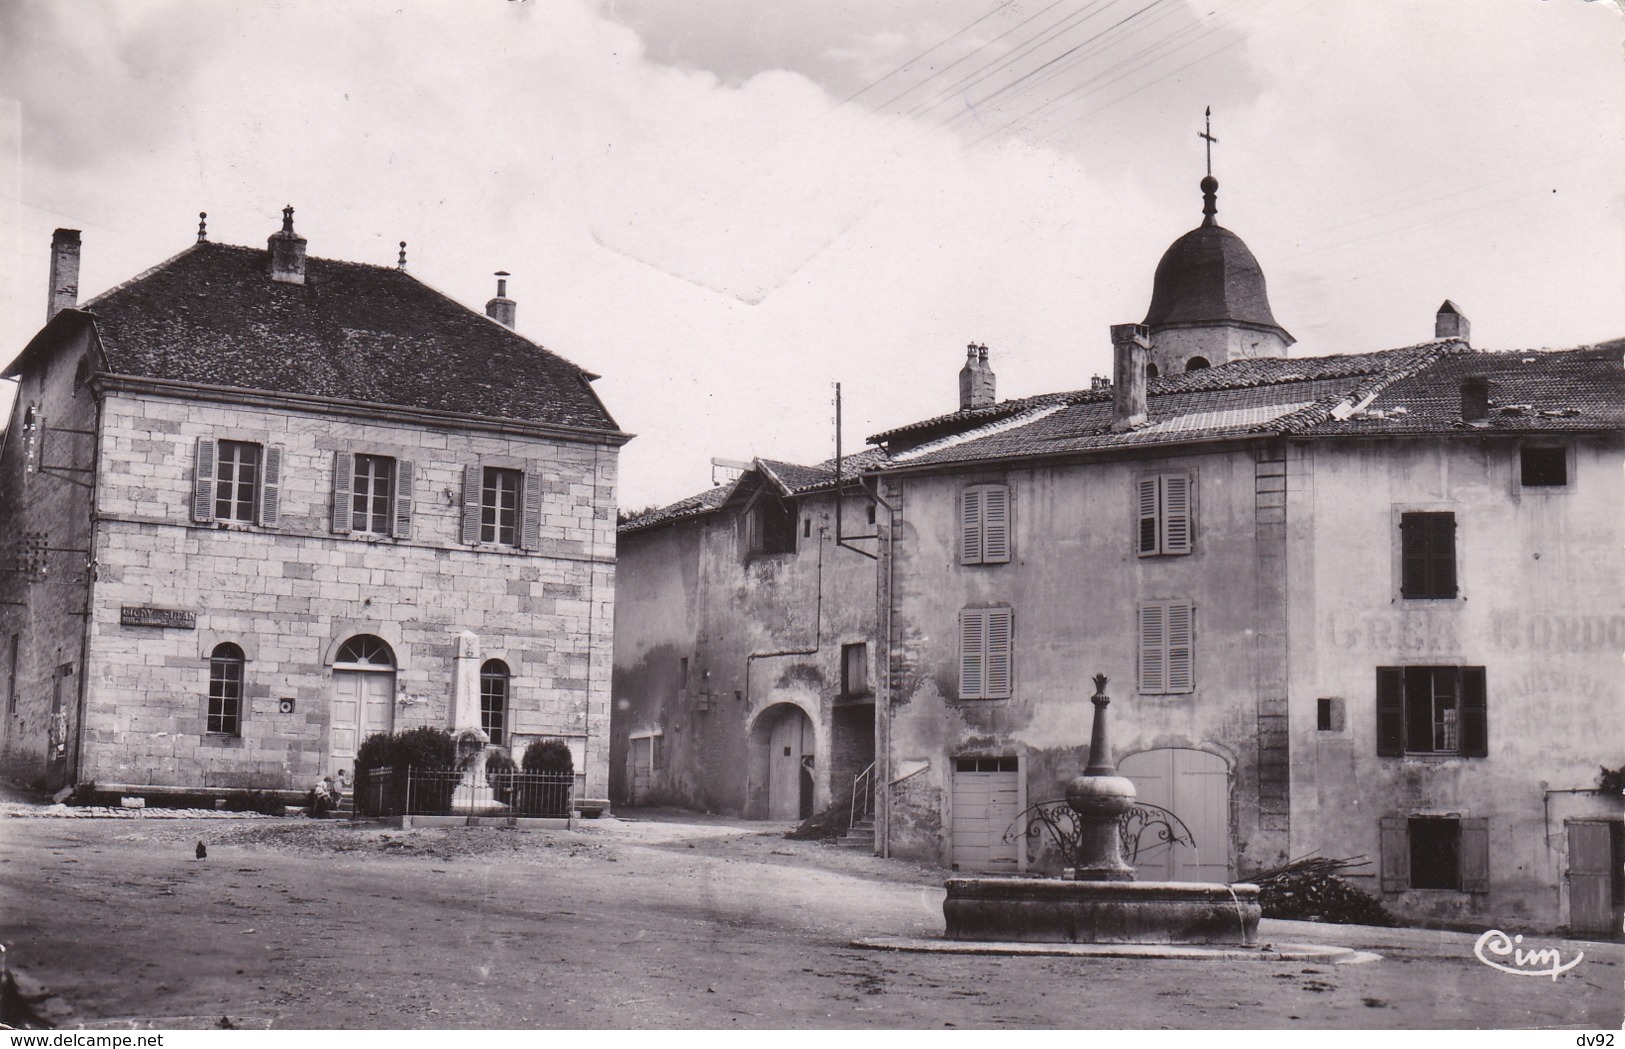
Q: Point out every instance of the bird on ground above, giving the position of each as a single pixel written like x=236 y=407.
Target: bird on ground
x=201 y=851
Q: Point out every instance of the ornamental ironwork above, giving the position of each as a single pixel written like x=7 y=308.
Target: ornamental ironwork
x=1147 y=830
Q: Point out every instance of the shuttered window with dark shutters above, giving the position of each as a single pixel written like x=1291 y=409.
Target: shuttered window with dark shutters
x=1432 y=710
x=985 y=653
x=1427 y=556
x=984 y=525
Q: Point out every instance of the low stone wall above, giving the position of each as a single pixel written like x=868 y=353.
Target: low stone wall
x=1045 y=911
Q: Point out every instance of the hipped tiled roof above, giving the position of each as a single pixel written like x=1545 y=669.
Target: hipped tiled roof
x=213 y=316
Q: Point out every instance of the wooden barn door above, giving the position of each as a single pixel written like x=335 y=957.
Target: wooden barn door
x=1195 y=786
x=986 y=800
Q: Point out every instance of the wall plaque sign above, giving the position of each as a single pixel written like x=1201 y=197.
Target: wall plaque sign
x=180 y=618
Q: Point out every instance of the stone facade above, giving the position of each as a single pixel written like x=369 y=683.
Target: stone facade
x=721 y=652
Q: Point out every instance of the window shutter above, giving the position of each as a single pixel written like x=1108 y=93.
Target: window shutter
x=405 y=471
x=343 y=478
x=1181 y=668
x=1390 y=712
x=1396 y=854
x=1176 y=514
x=972 y=634
x=1147 y=542
x=1475 y=855
x=1442 y=554
x=271 y=487
x=970 y=523
x=1153 y=649
x=1413 y=562
x=530 y=524
x=998 y=653
x=1473 y=709
x=472 y=477
x=203 y=481
x=995 y=524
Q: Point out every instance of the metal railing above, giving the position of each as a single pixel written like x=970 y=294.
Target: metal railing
x=863 y=796
x=449 y=792
x=1057 y=820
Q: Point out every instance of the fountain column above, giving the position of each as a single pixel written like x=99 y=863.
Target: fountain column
x=1100 y=797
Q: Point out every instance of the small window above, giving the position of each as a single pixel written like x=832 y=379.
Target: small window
x=499 y=506
x=365 y=652
x=985 y=765
x=1432 y=710
x=1427 y=556
x=772 y=525
x=682 y=672
x=985 y=663
x=1435 y=853
x=236 y=482
x=871 y=512
x=225 y=691
x=806 y=528
x=1163 y=504
x=1543 y=467
x=855 y=669
x=1196 y=364
x=1167 y=649
x=494 y=699
x=1329 y=715
x=372 y=494
x=984 y=525
x=1151 y=371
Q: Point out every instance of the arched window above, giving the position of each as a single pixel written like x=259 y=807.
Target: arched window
x=494 y=699
x=365 y=652
x=1196 y=364
x=1151 y=371
x=226 y=690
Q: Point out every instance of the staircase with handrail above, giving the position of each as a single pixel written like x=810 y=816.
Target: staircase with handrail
x=860 y=819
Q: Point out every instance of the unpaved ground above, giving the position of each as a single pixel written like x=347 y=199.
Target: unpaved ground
x=709 y=923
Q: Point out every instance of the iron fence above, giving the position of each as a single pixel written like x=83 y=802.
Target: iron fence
x=449 y=792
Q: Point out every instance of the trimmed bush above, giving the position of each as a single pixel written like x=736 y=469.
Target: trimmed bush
x=549 y=799
x=425 y=749
x=549 y=755
x=499 y=770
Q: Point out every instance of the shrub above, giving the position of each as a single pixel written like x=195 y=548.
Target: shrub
x=425 y=748
x=549 y=755
x=499 y=770
x=546 y=799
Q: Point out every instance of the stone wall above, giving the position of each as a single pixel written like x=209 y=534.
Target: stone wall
x=289 y=595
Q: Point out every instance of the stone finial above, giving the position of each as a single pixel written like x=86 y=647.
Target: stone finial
x=202 y=226
x=400 y=263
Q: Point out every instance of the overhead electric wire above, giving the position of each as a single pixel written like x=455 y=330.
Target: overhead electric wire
x=941 y=43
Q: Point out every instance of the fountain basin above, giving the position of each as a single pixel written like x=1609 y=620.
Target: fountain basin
x=1046 y=911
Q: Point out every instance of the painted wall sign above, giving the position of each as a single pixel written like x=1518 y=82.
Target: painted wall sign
x=179 y=618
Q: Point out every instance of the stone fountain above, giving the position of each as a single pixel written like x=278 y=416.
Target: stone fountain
x=1101 y=902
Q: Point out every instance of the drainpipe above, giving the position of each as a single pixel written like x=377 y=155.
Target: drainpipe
x=90 y=577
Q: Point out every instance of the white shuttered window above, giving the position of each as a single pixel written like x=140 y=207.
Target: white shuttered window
x=1164 y=515
x=985 y=650
x=984 y=520
x=1167 y=653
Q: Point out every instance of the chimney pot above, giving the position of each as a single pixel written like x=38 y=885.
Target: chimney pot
x=64 y=272
x=287 y=252
x=1451 y=323
x=976 y=381
x=502 y=309
x=1131 y=349
x=1475 y=398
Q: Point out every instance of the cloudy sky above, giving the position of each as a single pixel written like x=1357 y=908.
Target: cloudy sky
x=726 y=207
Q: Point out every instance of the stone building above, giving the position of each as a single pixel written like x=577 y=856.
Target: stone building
x=260 y=505
x=744 y=660
x=1367 y=604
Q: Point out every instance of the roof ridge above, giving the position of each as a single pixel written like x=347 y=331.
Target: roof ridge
x=143 y=275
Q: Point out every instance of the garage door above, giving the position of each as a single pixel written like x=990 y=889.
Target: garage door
x=1195 y=786
x=985 y=802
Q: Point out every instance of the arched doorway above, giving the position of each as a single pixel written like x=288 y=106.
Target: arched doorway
x=1195 y=786
x=363 y=698
x=786 y=734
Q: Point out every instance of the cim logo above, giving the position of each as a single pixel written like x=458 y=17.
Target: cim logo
x=1545 y=962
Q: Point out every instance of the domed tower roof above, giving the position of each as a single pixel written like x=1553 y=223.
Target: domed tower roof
x=1209 y=277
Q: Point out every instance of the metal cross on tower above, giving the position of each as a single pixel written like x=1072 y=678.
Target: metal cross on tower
x=1208 y=134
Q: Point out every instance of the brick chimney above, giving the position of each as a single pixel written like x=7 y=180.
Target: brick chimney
x=1475 y=398
x=502 y=309
x=287 y=251
x=975 y=380
x=1131 y=349
x=1449 y=323
x=64 y=272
